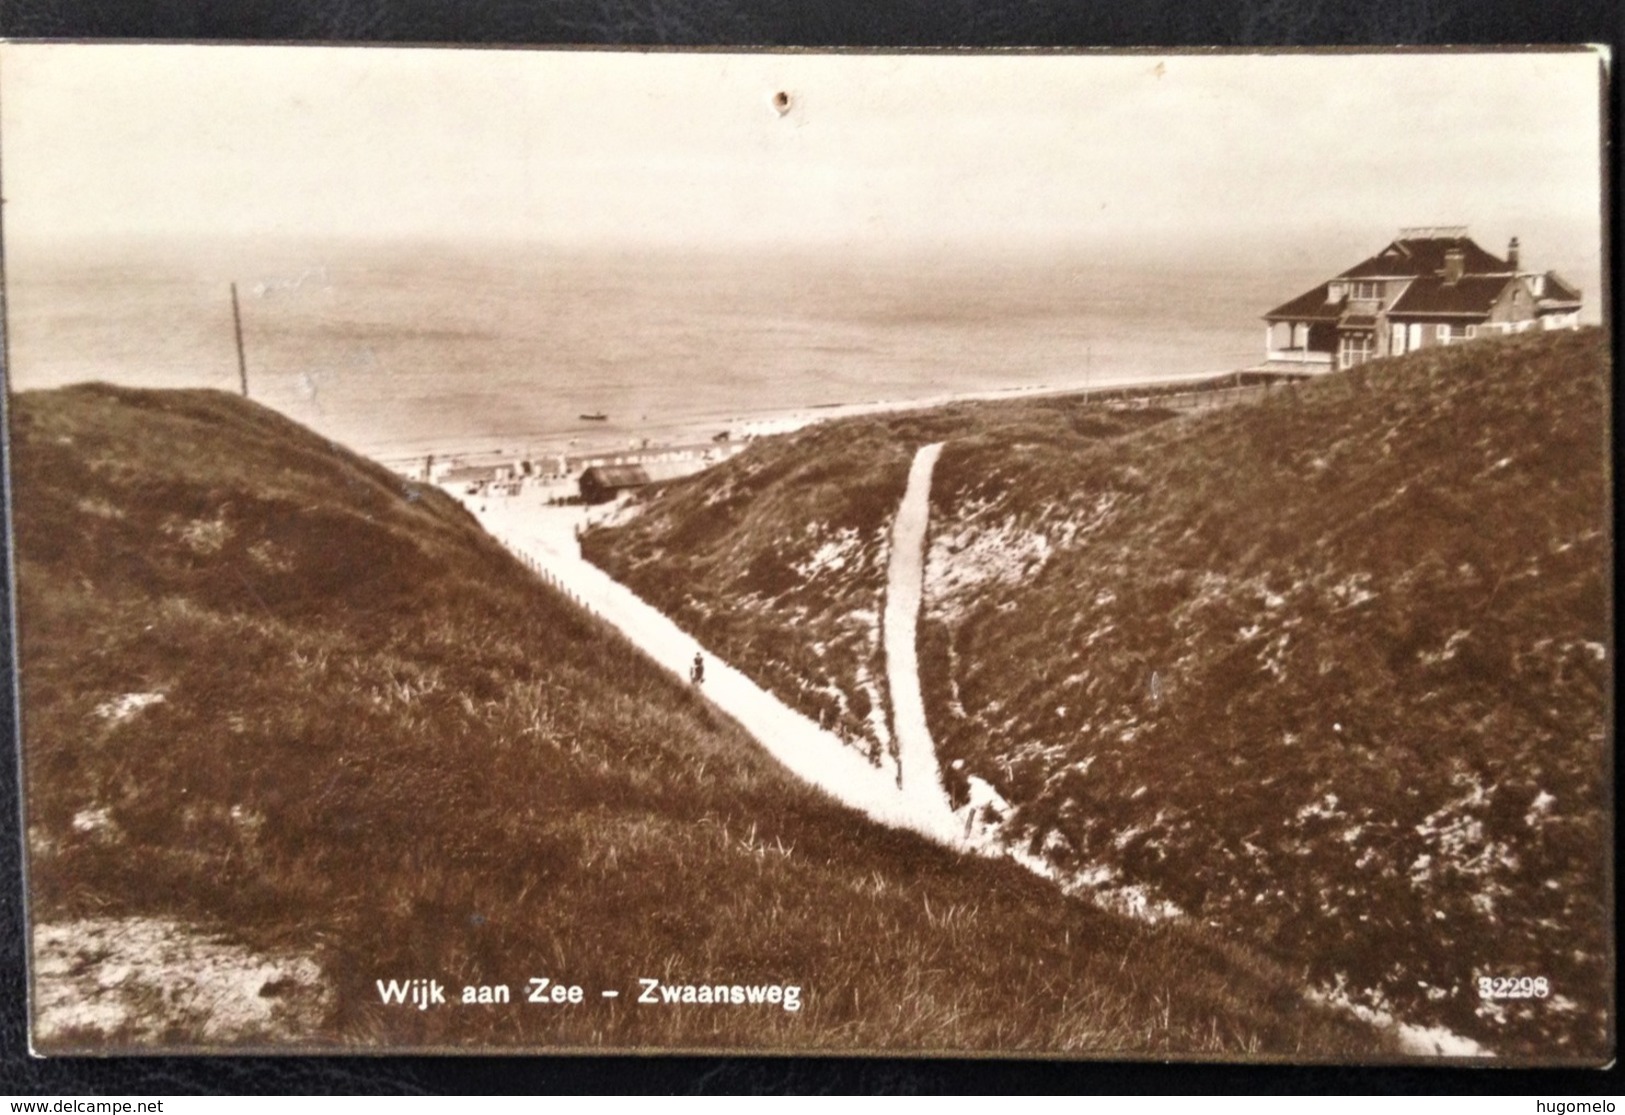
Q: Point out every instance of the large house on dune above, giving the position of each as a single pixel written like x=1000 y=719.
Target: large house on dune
x=1431 y=286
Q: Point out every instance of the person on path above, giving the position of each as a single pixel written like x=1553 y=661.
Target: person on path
x=696 y=673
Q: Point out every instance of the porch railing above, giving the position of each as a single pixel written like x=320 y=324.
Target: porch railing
x=1297 y=356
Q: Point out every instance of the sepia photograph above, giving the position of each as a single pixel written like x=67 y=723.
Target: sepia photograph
x=1093 y=554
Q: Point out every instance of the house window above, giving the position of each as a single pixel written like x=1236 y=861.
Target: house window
x=1472 y=331
x=1354 y=348
x=1443 y=333
x=1396 y=340
x=1366 y=292
x=1416 y=335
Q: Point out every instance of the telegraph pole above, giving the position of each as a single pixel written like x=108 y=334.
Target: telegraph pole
x=237 y=325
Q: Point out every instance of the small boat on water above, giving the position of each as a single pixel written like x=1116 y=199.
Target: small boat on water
x=595 y=416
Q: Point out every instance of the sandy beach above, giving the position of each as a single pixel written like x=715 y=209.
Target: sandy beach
x=630 y=441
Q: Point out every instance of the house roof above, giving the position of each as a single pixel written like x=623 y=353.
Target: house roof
x=617 y=476
x=1409 y=256
x=1558 y=291
x=1418 y=258
x=1472 y=295
x=1311 y=305
x=635 y=476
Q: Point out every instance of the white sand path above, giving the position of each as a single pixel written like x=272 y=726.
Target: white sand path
x=919 y=774
x=545 y=537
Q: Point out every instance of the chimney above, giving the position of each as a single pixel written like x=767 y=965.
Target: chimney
x=1512 y=254
x=1454 y=262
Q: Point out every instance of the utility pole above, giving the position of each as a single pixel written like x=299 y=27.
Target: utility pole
x=237 y=324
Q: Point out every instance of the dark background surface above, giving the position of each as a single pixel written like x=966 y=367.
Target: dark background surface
x=765 y=23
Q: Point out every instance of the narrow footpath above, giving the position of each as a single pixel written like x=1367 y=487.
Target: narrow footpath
x=544 y=538
x=919 y=776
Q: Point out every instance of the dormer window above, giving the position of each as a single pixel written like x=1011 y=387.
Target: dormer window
x=1336 y=292
x=1366 y=292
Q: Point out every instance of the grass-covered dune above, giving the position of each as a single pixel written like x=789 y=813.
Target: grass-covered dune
x=292 y=726
x=1330 y=672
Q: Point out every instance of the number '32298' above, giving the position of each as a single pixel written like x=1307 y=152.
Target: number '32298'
x=1513 y=987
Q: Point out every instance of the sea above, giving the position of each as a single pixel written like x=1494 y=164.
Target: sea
x=397 y=350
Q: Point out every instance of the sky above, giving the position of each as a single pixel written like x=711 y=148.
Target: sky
x=908 y=152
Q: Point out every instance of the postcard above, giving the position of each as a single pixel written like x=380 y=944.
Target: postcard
x=1014 y=554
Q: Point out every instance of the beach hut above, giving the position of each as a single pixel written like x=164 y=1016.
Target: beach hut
x=602 y=483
